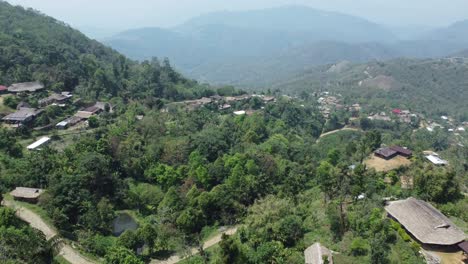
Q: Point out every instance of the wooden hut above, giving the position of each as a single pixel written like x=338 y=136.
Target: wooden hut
x=30 y=195
x=385 y=153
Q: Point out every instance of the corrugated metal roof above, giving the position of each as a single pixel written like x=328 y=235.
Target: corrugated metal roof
x=38 y=143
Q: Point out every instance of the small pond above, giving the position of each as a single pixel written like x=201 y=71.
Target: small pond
x=122 y=223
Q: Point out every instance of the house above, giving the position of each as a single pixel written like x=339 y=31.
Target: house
x=71 y=121
x=380 y=116
x=103 y=106
x=436 y=160
x=268 y=99
x=224 y=107
x=391 y=152
x=26 y=87
x=38 y=144
x=30 y=195
x=386 y=153
x=425 y=223
x=88 y=112
x=3 y=89
x=22 y=116
x=396 y=111
x=54 y=99
x=318 y=254
x=402 y=151
x=62 y=125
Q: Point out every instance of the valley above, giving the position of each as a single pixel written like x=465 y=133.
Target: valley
x=282 y=135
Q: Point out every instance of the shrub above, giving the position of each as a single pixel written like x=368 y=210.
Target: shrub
x=359 y=247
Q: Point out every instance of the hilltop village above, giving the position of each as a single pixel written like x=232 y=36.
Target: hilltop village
x=52 y=116
x=299 y=158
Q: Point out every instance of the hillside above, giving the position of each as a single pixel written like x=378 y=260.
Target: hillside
x=230 y=177
x=255 y=49
x=457 y=32
x=40 y=48
x=463 y=53
x=221 y=47
x=427 y=86
x=264 y=71
x=311 y=24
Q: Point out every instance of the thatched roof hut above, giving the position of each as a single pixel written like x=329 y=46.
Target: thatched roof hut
x=425 y=223
x=27 y=194
x=316 y=254
x=26 y=87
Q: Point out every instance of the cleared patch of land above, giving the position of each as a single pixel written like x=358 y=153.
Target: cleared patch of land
x=382 y=165
x=447 y=257
x=4 y=108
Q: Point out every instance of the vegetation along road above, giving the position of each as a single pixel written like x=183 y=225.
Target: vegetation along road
x=35 y=221
x=209 y=243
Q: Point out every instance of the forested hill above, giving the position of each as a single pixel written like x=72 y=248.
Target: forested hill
x=258 y=48
x=435 y=87
x=38 y=47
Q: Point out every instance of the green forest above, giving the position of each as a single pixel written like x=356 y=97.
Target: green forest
x=185 y=175
x=428 y=86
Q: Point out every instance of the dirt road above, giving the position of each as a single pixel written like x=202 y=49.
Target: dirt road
x=336 y=131
x=209 y=243
x=35 y=221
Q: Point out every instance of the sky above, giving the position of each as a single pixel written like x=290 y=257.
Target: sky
x=119 y=15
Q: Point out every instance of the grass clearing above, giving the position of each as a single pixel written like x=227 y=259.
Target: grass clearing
x=382 y=165
x=4 y=108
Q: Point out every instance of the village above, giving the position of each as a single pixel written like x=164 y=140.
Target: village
x=434 y=231
x=25 y=115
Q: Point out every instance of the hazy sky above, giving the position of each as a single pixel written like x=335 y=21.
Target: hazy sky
x=125 y=14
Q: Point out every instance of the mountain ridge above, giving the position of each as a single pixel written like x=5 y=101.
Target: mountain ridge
x=252 y=49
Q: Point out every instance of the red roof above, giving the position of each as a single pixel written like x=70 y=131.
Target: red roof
x=464 y=246
x=386 y=152
x=402 y=151
x=3 y=88
x=397 y=111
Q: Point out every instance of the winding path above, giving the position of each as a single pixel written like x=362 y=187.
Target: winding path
x=193 y=251
x=336 y=131
x=35 y=221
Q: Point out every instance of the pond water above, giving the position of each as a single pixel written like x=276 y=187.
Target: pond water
x=122 y=223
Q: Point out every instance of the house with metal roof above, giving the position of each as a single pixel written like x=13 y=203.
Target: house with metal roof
x=38 y=144
x=436 y=160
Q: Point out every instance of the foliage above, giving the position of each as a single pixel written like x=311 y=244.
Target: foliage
x=119 y=255
x=20 y=243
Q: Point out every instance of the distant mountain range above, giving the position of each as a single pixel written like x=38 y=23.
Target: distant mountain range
x=257 y=48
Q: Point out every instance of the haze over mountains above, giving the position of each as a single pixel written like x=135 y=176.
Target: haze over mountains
x=257 y=48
